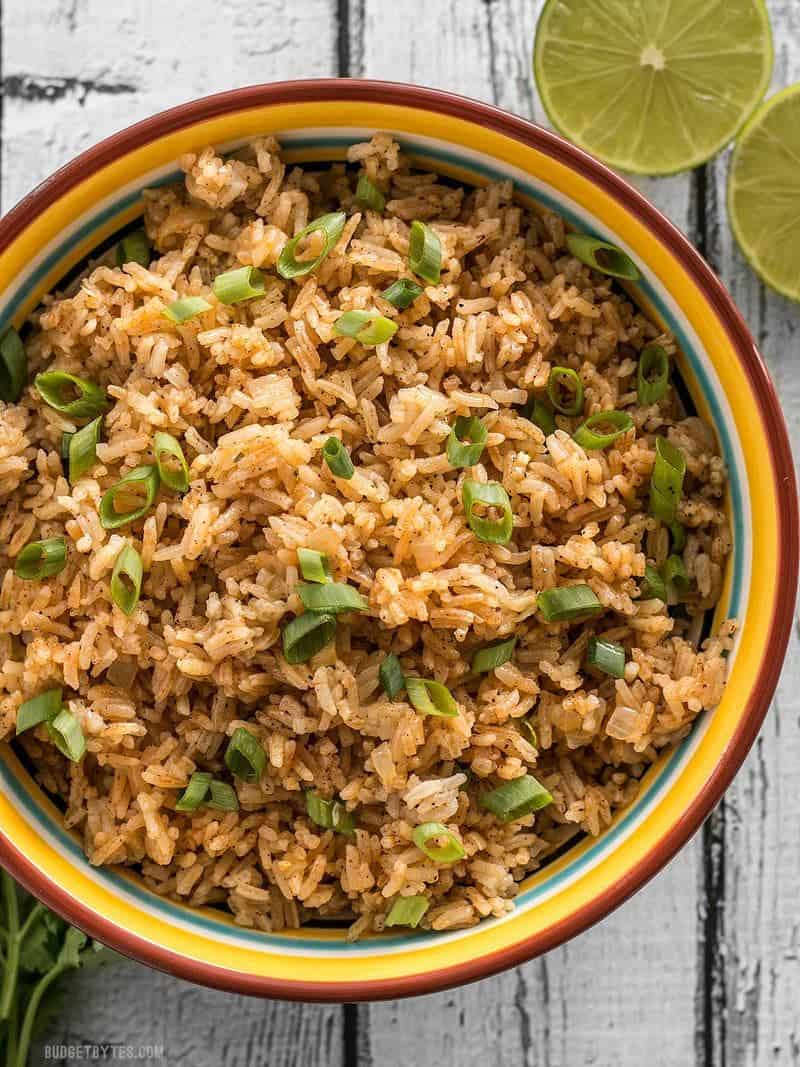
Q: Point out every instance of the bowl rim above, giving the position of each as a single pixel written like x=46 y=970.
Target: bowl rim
x=758 y=700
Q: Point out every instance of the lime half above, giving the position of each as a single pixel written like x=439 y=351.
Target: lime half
x=652 y=86
x=764 y=192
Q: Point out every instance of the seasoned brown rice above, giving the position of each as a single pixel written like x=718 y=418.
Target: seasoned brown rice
x=253 y=391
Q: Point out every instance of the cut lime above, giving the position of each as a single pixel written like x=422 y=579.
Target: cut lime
x=764 y=192
x=652 y=86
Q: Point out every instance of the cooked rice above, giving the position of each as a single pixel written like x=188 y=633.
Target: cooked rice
x=253 y=391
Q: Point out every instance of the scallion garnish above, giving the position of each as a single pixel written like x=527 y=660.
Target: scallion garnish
x=653 y=584
x=425 y=253
x=173 y=470
x=403 y=293
x=466 y=441
x=235 y=286
x=330 y=226
x=39 y=709
x=676 y=578
x=188 y=307
x=338 y=458
x=540 y=415
x=568 y=602
x=391 y=676
x=329 y=814
x=528 y=728
x=666 y=481
x=222 y=796
x=332 y=598
x=71 y=395
x=41 y=559
x=314 y=566
x=652 y=375
x=602 y=256
x=134 y=248
x=126 y=579
x=13 y=366
x=306 y=635
x=565 y=390
x=606 y=656
x=66 y=734
x=431 y=698
x=370 y=328
x=438 y=843
x=487 y=659
x=245 y=758
x=407 y=911
x=83 y=448
x=64 y=452
x=677 y=534
x=512 y=800
x=195 y=793
x=602 y=429
x=489 y=495
x=369 y=195
x=130 y=498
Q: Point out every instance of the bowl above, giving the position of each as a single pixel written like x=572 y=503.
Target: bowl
x=84 y=204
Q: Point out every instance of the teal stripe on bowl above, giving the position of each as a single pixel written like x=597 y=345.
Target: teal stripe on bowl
x=254 y=939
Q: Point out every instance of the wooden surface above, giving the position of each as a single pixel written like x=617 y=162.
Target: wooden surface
x=703 y=966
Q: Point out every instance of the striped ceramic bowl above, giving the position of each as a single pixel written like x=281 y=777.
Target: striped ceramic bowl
x=83 y=205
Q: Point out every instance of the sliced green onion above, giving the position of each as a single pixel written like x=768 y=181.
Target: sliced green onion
x=590 y=434
x=652 y=375
x=134 y=248
x=222 y=797
x=73 y=396
x=490 y=495
x=438 y=843
x=314 y=566
x=173 y=470
x=331 y=226
x=369 y=195
x=512 y=800
x=540 y=415
x=329 y=814
x=606 y=656
x=195 y=793
x=39 y=709
x=244 y=757
x=425 y=253
x=13 y=366
x=601 y=256
x=65 y=440
x=565 y=390
x=568 y=602
x=466 y=441
x=126 y=579
x=487 y=659
x=391 y=676
x=431 y=698
x=407 y=911
x=83 y=448
x=330 y=598
x=338 y=458
x=666 y=481
x=41 y=559
x=368 y=327
x=66 y=734
x=678 y=536
x=234 y=286
x=528 y=728
x=304 y=636
x=126 y=492
x=653 y=584
x=188 y=307
x=403 y=293
x=676 y=577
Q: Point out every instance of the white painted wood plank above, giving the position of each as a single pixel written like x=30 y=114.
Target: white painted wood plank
x=602 y=992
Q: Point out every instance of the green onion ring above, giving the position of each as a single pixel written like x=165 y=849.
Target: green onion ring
x=126 y=579
x=195 y=793
x=369 y=195
x=391 y=676
x=13 y=366
x=83 y=448
x=602 y=256
x=446 y=847
x=403 y=293
x=407 y=911
x=515 y=799
x=66 y=734
x=134 y=248
x=429 y=697
x=425 y=253
x=653 y=584
x=589 y=435
x=565 y=390
x=666 y=481
x=369 y=328
x=466 y=442
x=174 y=476
x=332 y=598
x=314 y=566
x=39 y=709
x=187 y=308
x=329 y=814
x=41 y=559
x=606 y=656
x=540 y=415
x=222 y=796
x=338 y=459
x=652 y=375
x=490 y=494
x=568 y=602
x=245 y=757
x=146 y=477
x=235 y=286
x=331 y=227
x=306 y=635
x=88 y=404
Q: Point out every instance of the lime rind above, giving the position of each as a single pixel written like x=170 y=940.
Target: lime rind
x=628 y=162
x=753 y=125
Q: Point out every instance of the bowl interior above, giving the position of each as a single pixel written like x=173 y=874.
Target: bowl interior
x=569 y=891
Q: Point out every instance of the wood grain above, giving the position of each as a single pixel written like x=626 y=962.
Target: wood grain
x=703 y=966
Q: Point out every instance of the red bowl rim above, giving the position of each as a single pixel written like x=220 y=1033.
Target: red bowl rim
x=366 y=90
